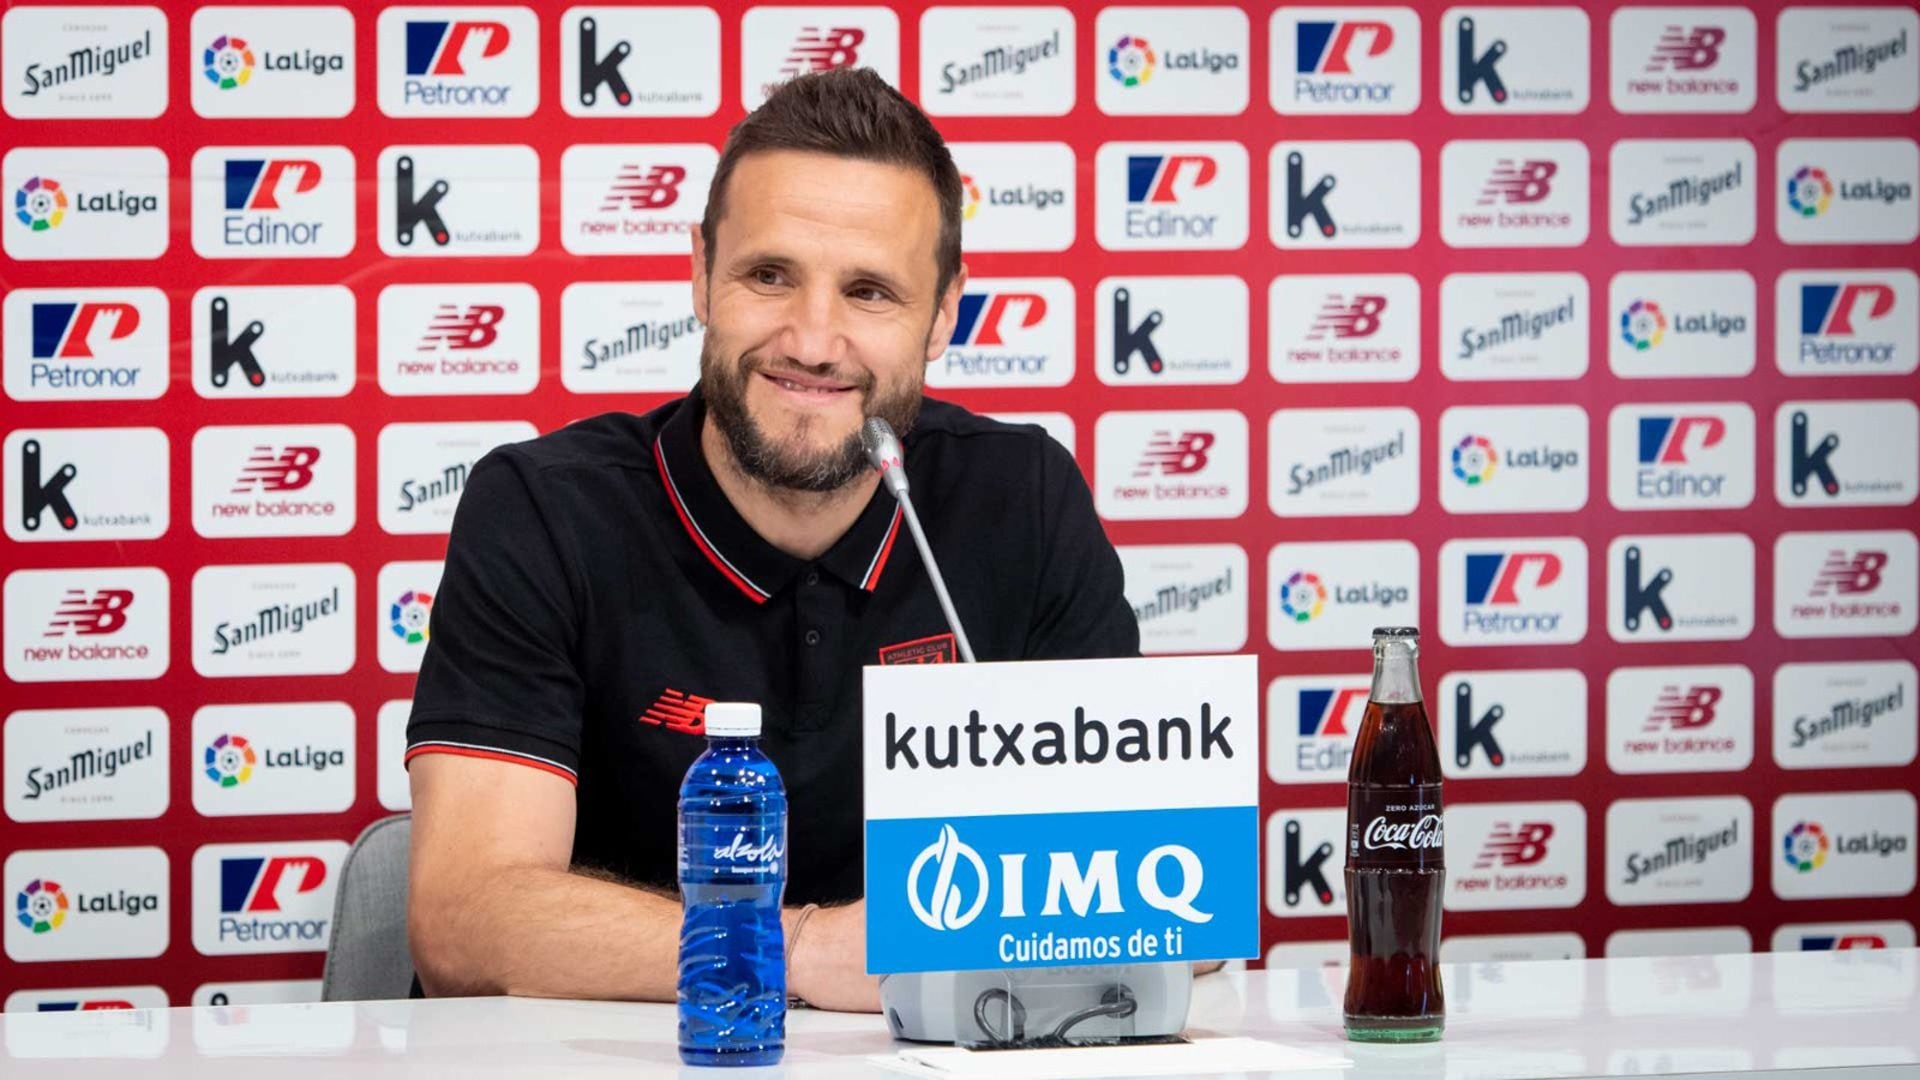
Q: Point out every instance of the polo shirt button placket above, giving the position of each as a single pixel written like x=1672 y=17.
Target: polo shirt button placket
x=813 y=637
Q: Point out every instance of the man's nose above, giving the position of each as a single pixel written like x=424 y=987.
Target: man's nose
x=814 y=331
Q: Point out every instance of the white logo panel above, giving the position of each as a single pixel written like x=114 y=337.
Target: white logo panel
x=483 y=61
x=273 y=759
x=1530 y=591
x=997 y=61
x=1847 y=322
x=1513 y=326
x=94 y=904
x=1857 y=714
x=474 y=338
x=1693 y=456
x=1684 y=324
x=1511 y=948
x=276 y=480
x=1847 y=59
x=1187 y=598
x=274 y=341
x=423 y=468
x=90 y=999
x=1843 y=844
x=85 y=203
x=1846 y=453
x=1312 y=721
x=1158 y=61
x=273 y=202
x=1844 y=584
x=285 y=619
x=1152 y=466
x=390 y=772
x=280 y=62
x=1514 y=194
x=640 y=61
x=458 y=201
x=1514 y=59
x=1343 y=462
x=634 y=199
x=86 y=625
x=1512 y=723
x=1847 y=191
x=1512 y=459
x=86 y=764
x=1684 y=192
x=265 y=898
x=1325 y=595
x=1681 y=943
x=1169 y=196
x=1680 y=588
x=1684 y=60
x=258 y=992
x=71 y=63
x=1506 y=856
x=85 y=484
x=85 y=344
x=1679 y=851
x=1343 y=328
x=777 y=43
x=1820 y=937
x=1344 y=61
x=623 y=337
x=1171 y=331
x=1680 y=719
x=402 y=608
x=1009 y=332
x=1343 y=195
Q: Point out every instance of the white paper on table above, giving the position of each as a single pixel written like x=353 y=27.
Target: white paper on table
x=1200 y=1056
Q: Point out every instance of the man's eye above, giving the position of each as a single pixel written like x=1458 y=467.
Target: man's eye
x=872 y=293
x=767 y=275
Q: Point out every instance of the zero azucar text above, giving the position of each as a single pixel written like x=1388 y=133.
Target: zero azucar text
x=1086 y=741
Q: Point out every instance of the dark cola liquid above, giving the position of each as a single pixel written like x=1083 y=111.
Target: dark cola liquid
x=1395 y=876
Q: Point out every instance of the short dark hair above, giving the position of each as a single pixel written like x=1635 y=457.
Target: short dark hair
x=849 y=113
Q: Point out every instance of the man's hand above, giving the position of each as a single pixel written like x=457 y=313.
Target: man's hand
x=829 y=965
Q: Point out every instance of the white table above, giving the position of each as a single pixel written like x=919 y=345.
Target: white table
x=1763 y=1015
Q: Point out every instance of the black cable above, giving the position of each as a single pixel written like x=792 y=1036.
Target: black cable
x=1118 y=1002
x=1122 y=1005
x=1017 y=1014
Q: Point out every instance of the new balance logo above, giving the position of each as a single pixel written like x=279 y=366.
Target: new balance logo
x=1131 y=339
x=410 y=213
x=655 y=188
x=1174 y=455
x=1664 y=440
x=1343 y=318
x=459 y=329
x=270 y=470
x=257 y=184
x=1848 y=574
x=1469 y=734
x=65 y=331
x=1324 y=711
x=225 y=352
x=981 y=315
x=1475 y=69
x=255 y=884
x=1808 y=462
x=1831 y=309
x=597 y=71
x=1642 y=598
x=1326 y=48
x=1681 y=49
x=1309 y=873
x=37 y=495
x=1498 y=577
x=1515 y=845
x=1680 y=710
x=819 y=49
x=677 y=710
x=1151 y=178
x=84 y=614
x=435 y=48
x=1302 y=203
x=1518 y=182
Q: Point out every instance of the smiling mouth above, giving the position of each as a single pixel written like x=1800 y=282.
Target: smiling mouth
x=799 y=387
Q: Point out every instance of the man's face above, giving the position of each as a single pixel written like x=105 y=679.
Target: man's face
x=820 y=311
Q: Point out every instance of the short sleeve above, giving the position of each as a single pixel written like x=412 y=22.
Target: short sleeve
x=499 y=679
x=1082 y=611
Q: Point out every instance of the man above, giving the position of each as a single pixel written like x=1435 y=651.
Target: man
x=604 y=580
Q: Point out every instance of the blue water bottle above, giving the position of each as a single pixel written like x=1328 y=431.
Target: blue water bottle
x=733 y=873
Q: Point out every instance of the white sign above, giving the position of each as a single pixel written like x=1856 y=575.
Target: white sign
x=1506 y=856
x=1171 y=196
x=1693 y=456
x=1697 y=587
x=1679 y=851
x=85 y=625
x=86 y=764
x=1681 y=324
x=1530 y=591
x=274 y=341
x=286 y=619
x=1844 y=584
x=1184 y=61
x=1851 y=714
x=473 y=338
x=458 y=201
x=1343 y=328
x=1009 y=332
x=1165 y=465
x=86 y=344
x=265 y=898
x=277 y=480
x=402 y=607
x=1343 y=194
x=1847 y=191
x=279 y=62
x=1844 y=844
x=423 y=469
x=92 y=904
x=1187 y=598
x=85 y=203
x=390 y=768
x=483 y=61
x=1344 y=60
x=1847 y=59
x=1680 y=719
x=1681 y=192
x=73 y=63
x=273 y=202
x=1514 y=59
x=623 y=337
x=1343 y=462
x=640 y=61
x=1332 y=595
x=997 y=61
x=777 y=43
x=1312 y=721
x=1513 y=193
x=273 y=759
x=1846 y=453
x=1512 y=459
x=1512 y=723
x=1847 y=322
x=1513 y=326
x=1684 y=59
x=1306 y=861
x=85 y=484
x=1170 y=331
x=633 y=199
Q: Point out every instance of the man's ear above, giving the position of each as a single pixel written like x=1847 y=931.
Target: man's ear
x=699 y=277
x=945 y=314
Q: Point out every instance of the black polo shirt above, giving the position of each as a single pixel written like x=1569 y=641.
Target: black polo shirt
x=600 y=589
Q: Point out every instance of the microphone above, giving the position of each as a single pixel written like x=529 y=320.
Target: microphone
x=884 y=451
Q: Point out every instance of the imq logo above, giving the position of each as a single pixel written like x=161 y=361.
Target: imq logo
x=264 y=898
x=1847 y=191
x=273 y=341
x=1843 y=843
x=1344 y=61
x=85 y=344
x=779 y=43
x=1188 y=598
x=1183 y=61
x=1513 y=326
x=1502 y=856
x=273 y=759
x=633 y=61
x=1503 y=592
x=633 y=200
x=1847 y=453
x=459 y=200
x=86 y=624
x=86 y=764
x=1312 y=722
x=1171 y=196
x=1171 y=330
x=1681 y=324
x=1514 y=60
x=1850 y=714
x=85 y=484
x=1694 y=456
x=997 y=61
x=1343 y=328
x=1679 y=851
x=1514 y=194
x=1680 y=588
x=1343 y=462
x=459 y=62
x=273 y=202
x=1847 y=322
x=1512 y=723
x=94 y=904
x=1844 y=584
x=1343 y=195
x=1847 y=59
x=1306 y=863
x=1680 y=719
x=67 y=63
x=1687 y=192
x=1697 y=60
x=1009 y=332
x=1154 y=465
x=1320 y=593
x=1018 y=196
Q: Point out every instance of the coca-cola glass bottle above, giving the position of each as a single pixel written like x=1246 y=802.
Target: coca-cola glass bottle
x=1395 y=865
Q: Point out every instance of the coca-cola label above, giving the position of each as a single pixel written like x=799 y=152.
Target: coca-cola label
x=1394 y=827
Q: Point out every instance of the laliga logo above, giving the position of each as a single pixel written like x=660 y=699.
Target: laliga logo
x=1806 y=846
x=1130 y=61
x=971 y=204
x=1474 y=460
x=41 y=906
x=229 y=761
x=1810 y=192
x=1097 y=887
x=1643 y=324
x=40 y=204
x=227 y=63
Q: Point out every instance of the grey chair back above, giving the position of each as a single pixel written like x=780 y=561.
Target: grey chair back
x=367 y=959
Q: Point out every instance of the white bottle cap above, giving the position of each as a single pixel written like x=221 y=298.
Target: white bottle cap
x=733 y=719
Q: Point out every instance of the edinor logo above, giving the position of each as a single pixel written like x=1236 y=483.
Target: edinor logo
x=260 y=183
x=1312 y=721
x=229 y=761
x=1660 y=456
x=41 y=907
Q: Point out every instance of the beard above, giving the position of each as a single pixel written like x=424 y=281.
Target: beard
x=795 y=462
